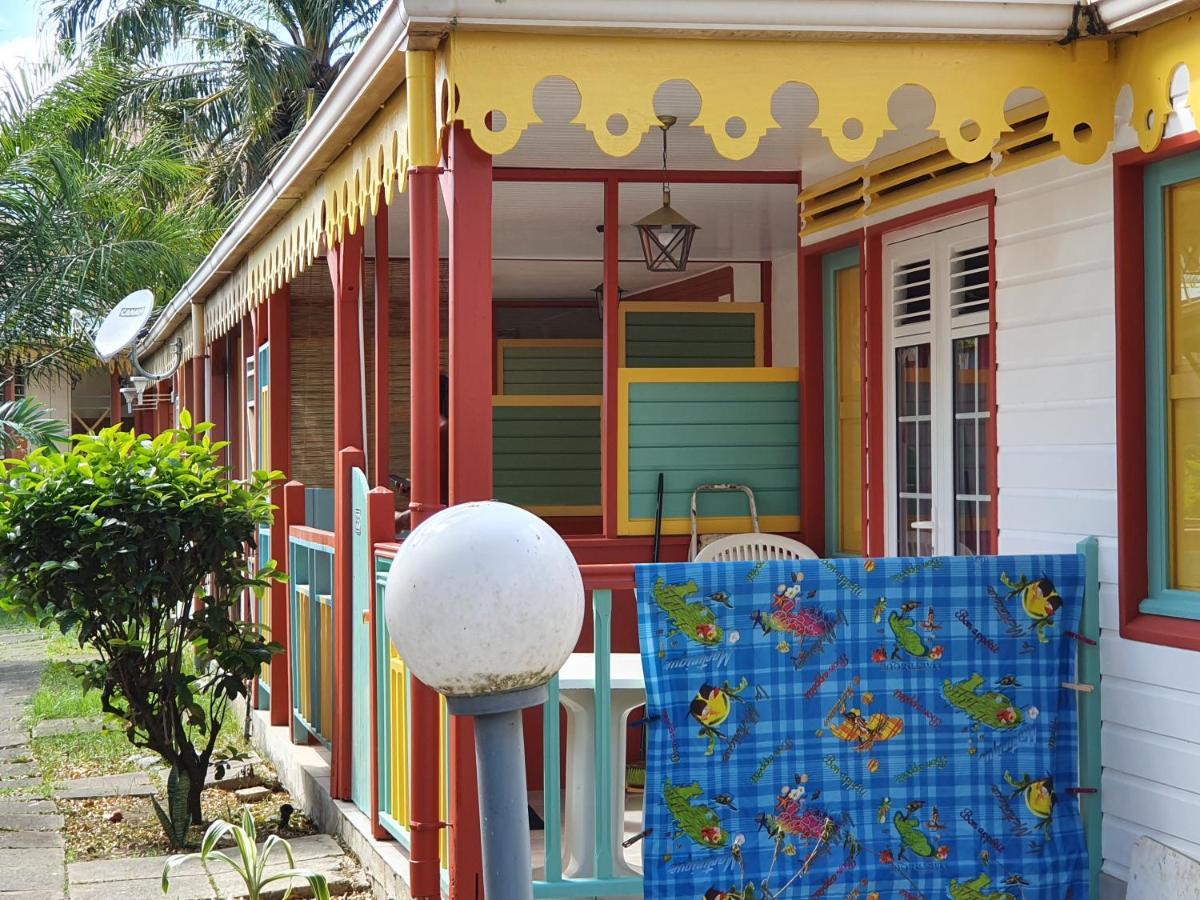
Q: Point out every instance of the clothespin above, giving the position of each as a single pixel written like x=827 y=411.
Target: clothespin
x=1074 y=635
x=629 y=842
x=1075 y=791
x=1079 y=688
x=644 y=721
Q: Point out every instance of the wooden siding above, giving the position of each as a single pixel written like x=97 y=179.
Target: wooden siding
x=682 y=335
x=535 y=366
x=546 y=454
x=312 y=368
x=1057 y=481
x=715 y=428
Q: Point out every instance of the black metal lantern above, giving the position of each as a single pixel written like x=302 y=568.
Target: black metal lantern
x=665 y=234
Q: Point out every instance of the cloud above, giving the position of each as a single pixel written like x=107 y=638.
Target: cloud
x=16 y=51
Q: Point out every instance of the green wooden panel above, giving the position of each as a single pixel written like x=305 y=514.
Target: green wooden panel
x=547 y=456
x=680 y=339
x=700 y=432
x=553 y=370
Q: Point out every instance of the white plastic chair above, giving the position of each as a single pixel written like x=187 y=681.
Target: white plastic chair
x=754 y=547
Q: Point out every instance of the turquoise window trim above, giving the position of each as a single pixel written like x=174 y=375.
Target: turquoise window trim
x=1162 y=600
x=831 y=264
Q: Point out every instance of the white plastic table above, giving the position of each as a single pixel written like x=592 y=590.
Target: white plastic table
x=577 y=693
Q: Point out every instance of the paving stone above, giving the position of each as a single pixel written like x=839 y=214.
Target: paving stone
x=31 y=822
x=107 y=871
x=15 y=754
x=14 y=739
x=53 y=727
x=23 y=840
x=136 y=784
x=35 y=895
x=253 y=794
x=17 y=770
x=19 y=869
x=24 y=807
x=188 y=887
x=19 y=785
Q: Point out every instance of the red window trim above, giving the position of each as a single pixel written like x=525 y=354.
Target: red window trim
x=1130 y=318
x=873 y=377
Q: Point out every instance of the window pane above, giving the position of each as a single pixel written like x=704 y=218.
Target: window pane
x=1183 y=381
x=914 y=476
x=849 y=394
x=972 y=476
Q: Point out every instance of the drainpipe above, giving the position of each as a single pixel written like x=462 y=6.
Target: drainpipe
x=424 y=422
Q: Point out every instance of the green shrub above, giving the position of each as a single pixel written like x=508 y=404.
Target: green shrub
x=119 y=537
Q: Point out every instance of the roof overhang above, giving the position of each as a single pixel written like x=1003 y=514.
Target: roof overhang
x=426 y=21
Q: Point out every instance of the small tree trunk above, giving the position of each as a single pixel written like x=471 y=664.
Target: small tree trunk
x=196 y=776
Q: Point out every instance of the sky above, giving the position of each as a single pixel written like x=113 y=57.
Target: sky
x=18 y=32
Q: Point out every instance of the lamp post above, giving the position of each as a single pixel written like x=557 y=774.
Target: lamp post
x=484 y=604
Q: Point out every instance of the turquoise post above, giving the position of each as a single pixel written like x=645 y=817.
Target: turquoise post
x=1089 y=712
x=602 y=642
x=552 y=789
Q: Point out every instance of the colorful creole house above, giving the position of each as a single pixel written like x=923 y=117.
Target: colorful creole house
x=943 y=298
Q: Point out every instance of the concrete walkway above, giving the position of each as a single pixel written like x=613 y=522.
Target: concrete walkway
x=32 y=858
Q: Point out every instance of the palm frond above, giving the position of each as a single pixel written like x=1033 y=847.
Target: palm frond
x=26 y=420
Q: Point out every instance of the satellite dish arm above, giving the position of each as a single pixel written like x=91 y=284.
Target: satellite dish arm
x=135 y=362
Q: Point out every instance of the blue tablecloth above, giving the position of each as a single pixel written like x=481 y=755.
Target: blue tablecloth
x=863 y=729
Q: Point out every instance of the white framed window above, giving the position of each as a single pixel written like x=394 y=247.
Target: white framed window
x=938 y=370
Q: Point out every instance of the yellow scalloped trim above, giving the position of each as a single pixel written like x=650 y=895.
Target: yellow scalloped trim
x=736 y=80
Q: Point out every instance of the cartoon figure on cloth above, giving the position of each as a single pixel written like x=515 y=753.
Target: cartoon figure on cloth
x=711 y=707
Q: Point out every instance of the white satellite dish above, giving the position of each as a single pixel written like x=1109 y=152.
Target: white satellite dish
x=120 y=327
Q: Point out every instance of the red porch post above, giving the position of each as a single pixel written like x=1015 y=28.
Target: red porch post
x=425 y=499
x=345 y=268
x=279 y=427
x=382 y=451
x=218 y=372
x=467 y=188
x=612 y=272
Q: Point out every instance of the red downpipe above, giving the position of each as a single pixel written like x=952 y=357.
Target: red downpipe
x=424 y=335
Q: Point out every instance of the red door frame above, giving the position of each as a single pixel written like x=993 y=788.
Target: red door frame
x=1132 y=526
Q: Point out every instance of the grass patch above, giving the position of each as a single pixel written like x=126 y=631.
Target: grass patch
x=61 y=696
x=15 y=621
x=83 y=755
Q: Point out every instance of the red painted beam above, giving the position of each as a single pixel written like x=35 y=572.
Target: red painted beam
x=382 y=451
x=425 y=499
x=345 y=265
x=381 y=526
x=645 y=176
x=612 y=272
x=279 y=427
x=711 y=285
x=467 y=191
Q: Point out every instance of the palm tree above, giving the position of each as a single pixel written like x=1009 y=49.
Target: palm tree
x=26 y=421
x=239 y=78
x=87 y=214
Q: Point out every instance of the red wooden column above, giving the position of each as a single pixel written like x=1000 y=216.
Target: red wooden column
x=218 y=372
x=467 y=188
x=612 y=271
x=279 y=427
x=382 y=451
x=345 y=269
x=425 y=499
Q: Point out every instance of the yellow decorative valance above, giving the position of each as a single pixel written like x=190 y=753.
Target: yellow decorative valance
x=497 y=72
x=341 y=200
x=227 y=304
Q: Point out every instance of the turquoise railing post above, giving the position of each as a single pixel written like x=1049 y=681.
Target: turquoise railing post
x=602 y=640
x=1090 y=770
x=298 y=569
x=551 y=784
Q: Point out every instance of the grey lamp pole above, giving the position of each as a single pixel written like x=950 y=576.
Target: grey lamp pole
x=484 y=604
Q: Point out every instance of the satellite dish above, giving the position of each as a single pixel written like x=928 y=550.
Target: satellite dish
x=120 y=327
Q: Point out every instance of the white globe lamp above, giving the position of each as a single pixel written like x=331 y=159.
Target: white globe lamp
x=484 y=603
